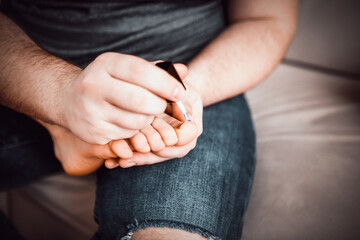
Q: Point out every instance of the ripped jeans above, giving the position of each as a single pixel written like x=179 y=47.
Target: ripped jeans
x=205 y=192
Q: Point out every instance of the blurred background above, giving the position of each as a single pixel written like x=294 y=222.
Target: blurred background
x=307 y=116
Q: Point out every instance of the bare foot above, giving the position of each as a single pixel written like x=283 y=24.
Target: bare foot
x=80 y=158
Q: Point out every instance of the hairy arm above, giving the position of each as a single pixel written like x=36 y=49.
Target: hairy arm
x=240 y=57
x=112 y=98
x=31 y=80
x=256 y=39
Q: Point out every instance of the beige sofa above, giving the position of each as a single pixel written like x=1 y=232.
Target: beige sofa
x=307 y=116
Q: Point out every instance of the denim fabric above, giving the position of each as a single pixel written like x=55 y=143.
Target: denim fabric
x=26 y=151
x=206 y=191
x=7 y=229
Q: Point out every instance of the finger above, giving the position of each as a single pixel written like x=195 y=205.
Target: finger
x=110 y=132
x=111 y=163
x=153 y=138
x=166 y=131
x=121 y=148
x=127 y=120
x=142 y=73
x=140 y=143
x=134 y=98
x=181 y=69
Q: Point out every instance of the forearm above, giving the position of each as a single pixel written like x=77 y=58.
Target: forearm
x=31 y=80
x=243 y=55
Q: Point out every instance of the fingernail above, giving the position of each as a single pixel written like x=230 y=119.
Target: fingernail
x=130 y=164
x=178 y=93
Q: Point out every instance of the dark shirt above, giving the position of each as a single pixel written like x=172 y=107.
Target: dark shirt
x=78 y=31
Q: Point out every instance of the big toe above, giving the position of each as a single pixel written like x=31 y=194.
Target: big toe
x=186 y=132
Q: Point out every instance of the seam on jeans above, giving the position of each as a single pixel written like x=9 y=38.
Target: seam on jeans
x=136 y=225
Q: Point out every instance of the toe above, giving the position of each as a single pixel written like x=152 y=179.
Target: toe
x=121 y=148
x=186 y=133
x=166 y=131
x=140 y=143
x=154 y=139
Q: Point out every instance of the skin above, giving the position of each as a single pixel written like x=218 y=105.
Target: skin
x=79 y=157
x=75 y=107
x=87 y=102
x=153 y=233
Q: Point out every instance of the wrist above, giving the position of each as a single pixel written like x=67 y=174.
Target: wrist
x=195 y=81
x=62 y=98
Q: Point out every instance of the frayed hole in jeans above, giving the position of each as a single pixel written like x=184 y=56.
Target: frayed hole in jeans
x=136 y=225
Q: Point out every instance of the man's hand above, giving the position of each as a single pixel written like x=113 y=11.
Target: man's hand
x=79 y=157
x=113 y=98
x=116 y=96
x=187 y=133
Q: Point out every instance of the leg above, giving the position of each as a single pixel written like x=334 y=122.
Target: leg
x=153 y=233
x=205 y=192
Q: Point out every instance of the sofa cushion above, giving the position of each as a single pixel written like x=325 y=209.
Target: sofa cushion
x=57 y=207
x=307 y=177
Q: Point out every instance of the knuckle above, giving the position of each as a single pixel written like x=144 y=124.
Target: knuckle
x=103 y=58
x=90 y=112
x=138 y=68
x=92 y=132
x=87 y=84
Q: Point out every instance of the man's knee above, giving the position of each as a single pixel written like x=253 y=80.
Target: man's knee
x=156 y=233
